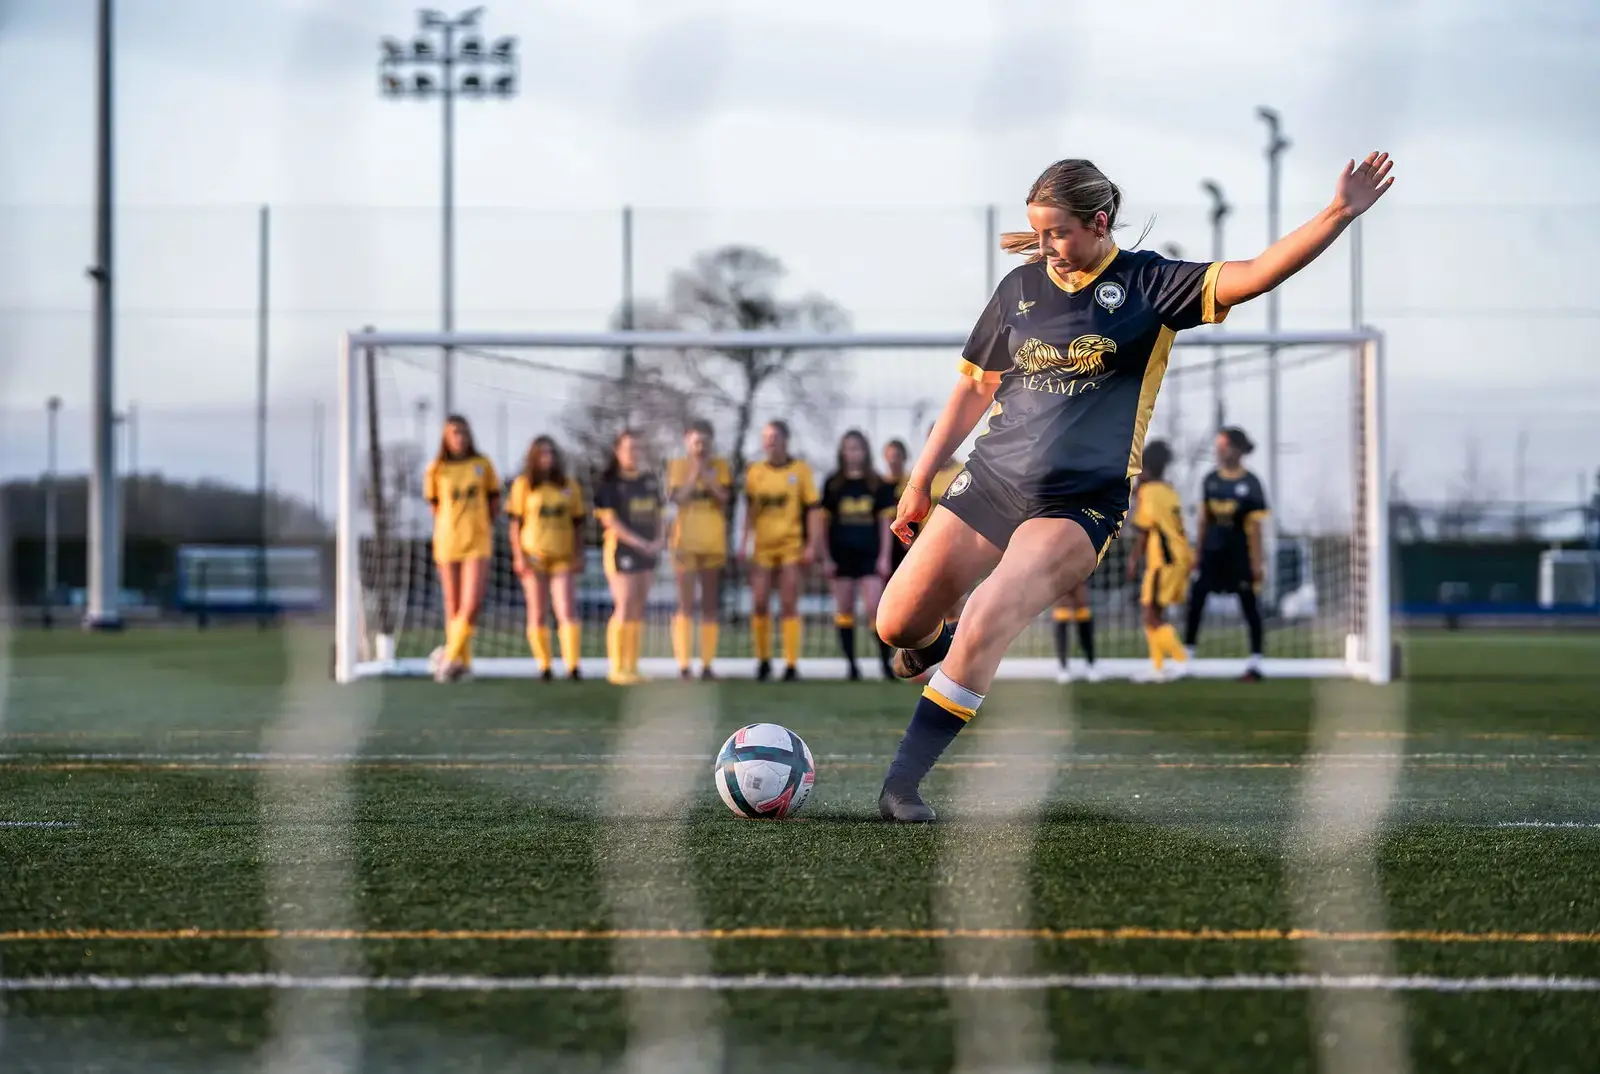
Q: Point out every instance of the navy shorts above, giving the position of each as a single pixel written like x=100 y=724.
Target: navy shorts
x=853 y=563
x=995 y=509
x=1224 y=573
x=625 y=559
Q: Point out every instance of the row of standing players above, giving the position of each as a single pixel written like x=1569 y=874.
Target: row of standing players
x=789 y=527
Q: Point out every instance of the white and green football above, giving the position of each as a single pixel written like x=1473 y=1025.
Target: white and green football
x=764 y=771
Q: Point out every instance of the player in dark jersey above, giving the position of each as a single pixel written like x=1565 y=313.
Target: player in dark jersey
x=1066 y=359
x=859 y=505
x=1233 y=507
x=895 y=472
x=627 y=501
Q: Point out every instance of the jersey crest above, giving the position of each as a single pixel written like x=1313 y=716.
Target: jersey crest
x=1110 y=295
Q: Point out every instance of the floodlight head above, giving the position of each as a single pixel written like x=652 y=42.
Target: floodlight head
x=393 y=86
x=422 y=48
x=53 y=404
x=471 y=48
x=1213 y=190
x=504 y=48
x=505 y=85
x=431 y=18
x=392 y=48
x=472 y=84
x=1173 y=250
x=469 y=17
x=422 y=84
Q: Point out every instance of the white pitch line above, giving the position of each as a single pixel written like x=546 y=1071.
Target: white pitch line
x=806 y=983
x=472 y=758
x=1547 y=824
x=38 y=824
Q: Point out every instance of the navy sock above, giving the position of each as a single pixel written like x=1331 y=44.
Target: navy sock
x=1086 y=638
x=1063 y=641
x=932 y=729
x=885 y=651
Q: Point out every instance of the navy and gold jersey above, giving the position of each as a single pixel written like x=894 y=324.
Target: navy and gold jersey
x=1078 y=367
x=1229 y=503
x=856 y=506
x=634 y=501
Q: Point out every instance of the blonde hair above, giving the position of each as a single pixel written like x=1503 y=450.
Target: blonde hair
x=1075 y=186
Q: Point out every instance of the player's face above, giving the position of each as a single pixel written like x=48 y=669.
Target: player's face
x=894 y=459
x=697 y=443
x=455 y=438
x=1226 y=455
x=1068 y=243
x=547 y=456
x=854 y=452
x=628 y=453
x=774 y=443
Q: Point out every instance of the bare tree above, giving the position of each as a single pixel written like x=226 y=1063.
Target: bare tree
x=732 y=288
x=1466 y=508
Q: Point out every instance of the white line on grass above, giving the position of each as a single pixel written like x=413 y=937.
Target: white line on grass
x=556 y=756
x=1092 y=982
x=1548 y=824
x=38 y=824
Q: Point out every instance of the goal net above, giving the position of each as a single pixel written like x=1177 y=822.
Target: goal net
x=1325 y=587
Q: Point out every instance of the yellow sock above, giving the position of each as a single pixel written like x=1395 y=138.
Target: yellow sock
x=539 y=642
x=1063 y=615
x=632 y=639
x=761 y=633
x=571 y=635
x=791 y=640
x=1158 y=655
x=458 y=641
x=614 y=645
x=708 y=642
x=682 y=640
x=1167 y=638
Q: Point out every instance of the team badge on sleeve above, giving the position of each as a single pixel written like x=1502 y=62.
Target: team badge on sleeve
x=1110 y=295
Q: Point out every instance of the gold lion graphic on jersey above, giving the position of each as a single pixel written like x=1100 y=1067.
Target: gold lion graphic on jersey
x=1086 y=356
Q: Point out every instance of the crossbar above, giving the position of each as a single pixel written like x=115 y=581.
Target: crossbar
x=768 y=340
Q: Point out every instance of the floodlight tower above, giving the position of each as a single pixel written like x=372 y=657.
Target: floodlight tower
x=1276 y=144
x=1219 y=216
x=445 y=59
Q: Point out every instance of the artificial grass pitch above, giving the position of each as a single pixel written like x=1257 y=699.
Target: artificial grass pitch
x=1133 y=865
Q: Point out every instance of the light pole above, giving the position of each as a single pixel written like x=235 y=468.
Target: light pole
x=1175 y=252
x=1219 y=214
x=421 y=412
x=439 y=64
x=1276 y=144
x=104 y=611
x=51 y=530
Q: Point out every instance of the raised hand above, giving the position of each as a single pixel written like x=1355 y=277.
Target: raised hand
x=1361 y=185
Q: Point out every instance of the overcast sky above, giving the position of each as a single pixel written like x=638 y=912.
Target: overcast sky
x=857 y=141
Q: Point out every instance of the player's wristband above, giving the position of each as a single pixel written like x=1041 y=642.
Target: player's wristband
x=919 y=488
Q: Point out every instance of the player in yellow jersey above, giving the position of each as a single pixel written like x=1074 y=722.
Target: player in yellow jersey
x=700 y=485
x=463 y=492
x=1161 y=560
x=781 y=533
x=627 y=502
x=546 y=511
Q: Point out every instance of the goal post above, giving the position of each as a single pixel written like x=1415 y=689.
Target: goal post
x=1329 y=572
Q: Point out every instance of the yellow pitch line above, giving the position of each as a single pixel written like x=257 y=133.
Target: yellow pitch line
x=199 y=732
x=1077 y=935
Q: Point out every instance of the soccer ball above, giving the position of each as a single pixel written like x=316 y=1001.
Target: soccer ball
x=764 y=771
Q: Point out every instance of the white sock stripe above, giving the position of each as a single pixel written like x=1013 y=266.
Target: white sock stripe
x=950 y=690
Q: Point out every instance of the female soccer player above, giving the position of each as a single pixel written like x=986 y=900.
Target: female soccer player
x=1163 y=557
x=463 y=493
x=1230 y=542
x=627 y=502
x=701 y=485
x=546 y=512
x=780 y=536
x=1066 y=359
x=859 y=505
x=1074 y=608
x=894 y=472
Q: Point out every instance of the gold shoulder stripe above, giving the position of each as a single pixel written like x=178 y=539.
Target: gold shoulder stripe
x=1210 y=312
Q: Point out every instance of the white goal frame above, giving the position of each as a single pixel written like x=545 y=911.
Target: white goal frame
x=1368 y=653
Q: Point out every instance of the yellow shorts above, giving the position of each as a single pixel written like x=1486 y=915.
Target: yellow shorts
x=786 y=555
x=699 y=561
x=1164 y=586
x=462 y=553
x=549 y=564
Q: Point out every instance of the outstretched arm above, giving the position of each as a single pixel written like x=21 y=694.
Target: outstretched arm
x=968 y=402
x=1359 y=187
